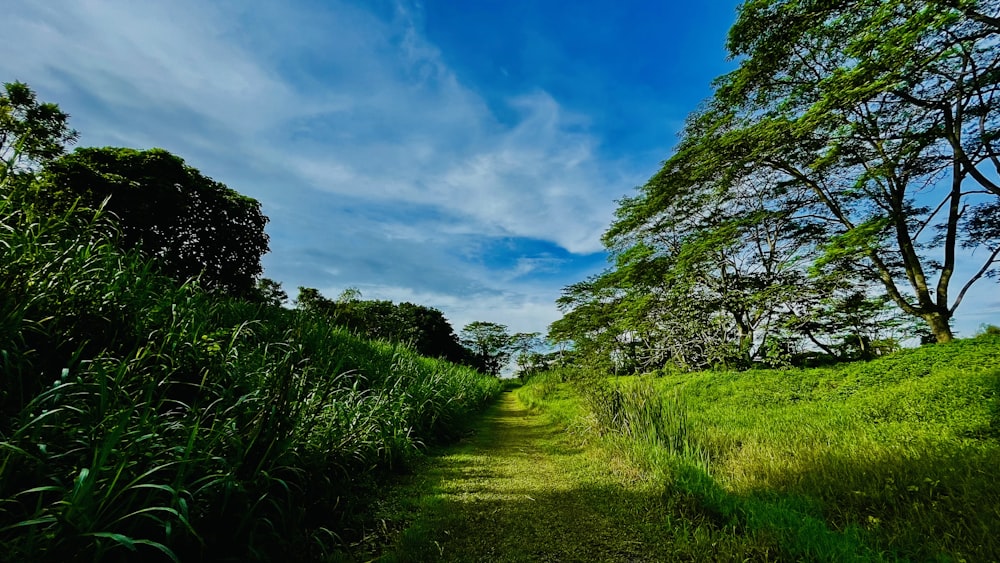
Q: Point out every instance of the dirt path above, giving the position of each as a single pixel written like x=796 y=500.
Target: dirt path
x=520 y=490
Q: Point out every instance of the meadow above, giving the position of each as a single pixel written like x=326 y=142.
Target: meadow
x=143 y=418
x=888 y=460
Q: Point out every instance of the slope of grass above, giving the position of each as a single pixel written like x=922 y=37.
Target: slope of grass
x=139 y=418
x=886 y=460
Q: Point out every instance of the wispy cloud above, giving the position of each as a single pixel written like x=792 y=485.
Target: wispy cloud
x=378 y=166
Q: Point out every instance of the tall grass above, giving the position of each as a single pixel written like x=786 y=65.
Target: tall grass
x=143 y=418
x=893 y=459
x=645 y=417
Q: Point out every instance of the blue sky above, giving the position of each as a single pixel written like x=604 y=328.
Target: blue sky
x=465 y=155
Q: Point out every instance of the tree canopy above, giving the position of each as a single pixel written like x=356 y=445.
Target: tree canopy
x=190 y=224
x=423 y=328
x=490 y=344
x=31 y=132
x=837 y=173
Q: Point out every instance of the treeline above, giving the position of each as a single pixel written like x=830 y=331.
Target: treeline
x=836 y=196
x=156 y=402
x=424 y=328
x=486 y=346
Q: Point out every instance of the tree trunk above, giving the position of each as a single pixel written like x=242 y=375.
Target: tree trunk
x=938 y=323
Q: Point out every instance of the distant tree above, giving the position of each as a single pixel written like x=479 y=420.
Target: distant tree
x=349 y=295
x=188 y=223
x=270 y=292
x=490 y=344
x=851 y=324
x=31 y=132
x=523 y=346
x=310 y=299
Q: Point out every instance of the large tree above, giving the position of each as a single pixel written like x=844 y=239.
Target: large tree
x=711 y=261
x=882 y=115
x=843 y=165
x=188 y=223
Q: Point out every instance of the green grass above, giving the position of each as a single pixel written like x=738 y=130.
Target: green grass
x=141 y=418
x=521 y=488
x=889 y=460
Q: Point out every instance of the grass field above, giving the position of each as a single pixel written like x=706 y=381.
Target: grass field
x=522 y=489
x=895 y=459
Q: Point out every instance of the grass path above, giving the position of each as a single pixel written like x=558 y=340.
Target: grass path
x=520 y=489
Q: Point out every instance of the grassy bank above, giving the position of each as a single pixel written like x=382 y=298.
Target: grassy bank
x=142 y=418
x=887 y=460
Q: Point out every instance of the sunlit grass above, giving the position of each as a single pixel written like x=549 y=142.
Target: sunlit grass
x=901 y=448
x=523 y=489
x=893 y=459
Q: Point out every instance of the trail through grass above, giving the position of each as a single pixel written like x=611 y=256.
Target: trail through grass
x=522 y=489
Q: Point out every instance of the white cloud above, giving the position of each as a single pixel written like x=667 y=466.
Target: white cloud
x=293 y=106
x=400 y=127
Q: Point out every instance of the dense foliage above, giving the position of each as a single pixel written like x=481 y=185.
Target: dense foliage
x=191 y=225
x=141 y=417
x=425 y=329
x=488 y=347
x=139 y=412
x=819 y=200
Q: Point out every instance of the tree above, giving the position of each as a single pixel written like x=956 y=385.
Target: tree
x=699 y=279
x=804 y=183
x=523 y=346
x=188 y=223
x=871 y=108
x=490 y=344
x=709 y=259
x=270 y=292
x=430 y=333
x=31 y=132
x=310 y=299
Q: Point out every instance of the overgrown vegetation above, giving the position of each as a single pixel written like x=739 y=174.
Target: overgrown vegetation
x=141 y=414
x=887 y=460
x=141 y=417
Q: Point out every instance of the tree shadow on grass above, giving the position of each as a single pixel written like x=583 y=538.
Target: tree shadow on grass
x=519 y=490
x=584 y=523
x=940 y=504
